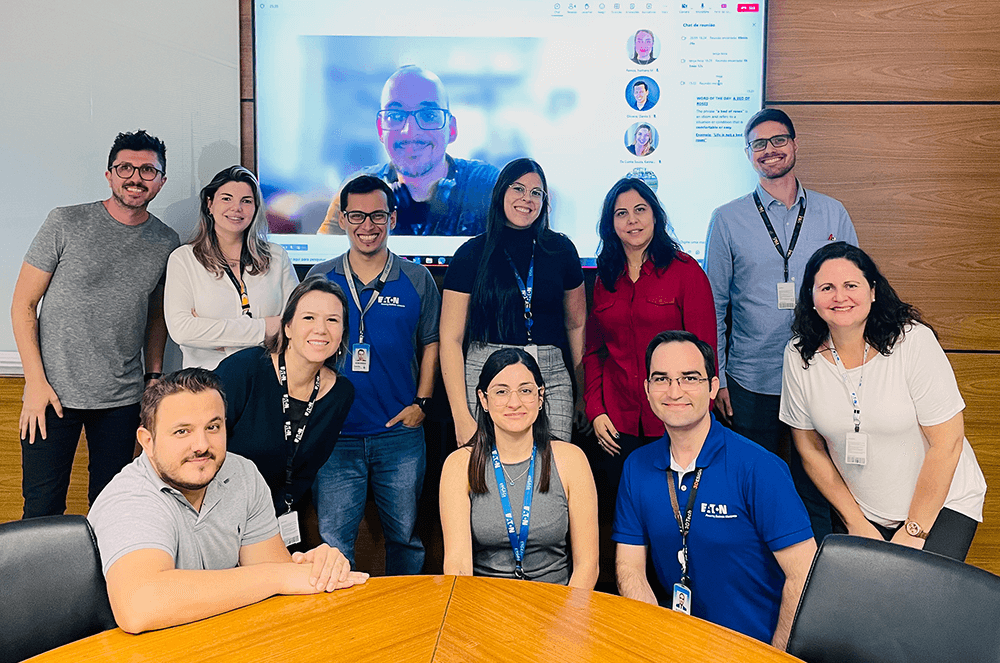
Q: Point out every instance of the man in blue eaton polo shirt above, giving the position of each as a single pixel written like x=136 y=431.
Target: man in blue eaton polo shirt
x=758 y=279
x=748 y=547
x=393 y=357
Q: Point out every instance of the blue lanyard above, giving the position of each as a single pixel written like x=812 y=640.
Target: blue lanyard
x=525 y=290
x=518 y=540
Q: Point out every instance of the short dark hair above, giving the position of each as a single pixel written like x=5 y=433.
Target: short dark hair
x=279 y=342
x=138 y=141
x=192 y=380
x=642 y=83
x=769 y=115
x=681 y=336
x=367 y=184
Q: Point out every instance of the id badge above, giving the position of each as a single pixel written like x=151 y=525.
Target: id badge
x=532 y=350
x=288 y=526
x=857 y=449
x=361 y=356
x=786 y=296
x=682 y=599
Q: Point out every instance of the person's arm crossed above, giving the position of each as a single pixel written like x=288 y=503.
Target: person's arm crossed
x=147 y=592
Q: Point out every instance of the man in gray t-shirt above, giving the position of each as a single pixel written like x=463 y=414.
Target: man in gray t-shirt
x=178 y=527
x=98 y=271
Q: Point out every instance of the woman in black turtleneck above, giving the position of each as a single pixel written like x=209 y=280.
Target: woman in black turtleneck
x=483 y=307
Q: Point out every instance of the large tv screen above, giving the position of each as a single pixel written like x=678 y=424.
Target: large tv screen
x=594 y=91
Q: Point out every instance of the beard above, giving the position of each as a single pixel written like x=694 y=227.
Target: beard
x=780 y=172
x=124 y=203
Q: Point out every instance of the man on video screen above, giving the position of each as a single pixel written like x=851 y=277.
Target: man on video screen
x=436 y=194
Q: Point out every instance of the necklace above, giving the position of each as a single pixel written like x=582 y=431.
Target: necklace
x=514 y=480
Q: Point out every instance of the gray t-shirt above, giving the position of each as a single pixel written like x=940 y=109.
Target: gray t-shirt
x=92 y=322
x=138 y=511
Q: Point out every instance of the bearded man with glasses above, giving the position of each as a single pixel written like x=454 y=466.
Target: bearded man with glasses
x=727 y=533
x=755 y=256
x=436 y=194
x=97 y=269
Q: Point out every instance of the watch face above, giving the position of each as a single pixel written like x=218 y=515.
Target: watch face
x=912 y=528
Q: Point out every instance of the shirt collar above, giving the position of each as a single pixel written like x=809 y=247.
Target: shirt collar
x=709 y=450
x=213 y=492
x=767 y=199
x=338 y=267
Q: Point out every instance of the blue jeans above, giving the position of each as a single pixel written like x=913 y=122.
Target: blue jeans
x=46 y=464
x=395 y=461
x=755 y=416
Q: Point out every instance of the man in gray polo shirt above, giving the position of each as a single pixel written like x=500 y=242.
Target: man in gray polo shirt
x=179 y=528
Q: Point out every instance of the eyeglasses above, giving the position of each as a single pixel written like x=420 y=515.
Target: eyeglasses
x=428 y=119
x=536 y=193
x=357 y=217
x=685 y=382
x=146 y=172
x=760 y=144
x=525 y=394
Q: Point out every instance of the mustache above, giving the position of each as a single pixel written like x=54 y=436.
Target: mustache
x=199 y=456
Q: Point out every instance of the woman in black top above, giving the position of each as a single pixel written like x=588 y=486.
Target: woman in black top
x=484 y=307
x=311 y=339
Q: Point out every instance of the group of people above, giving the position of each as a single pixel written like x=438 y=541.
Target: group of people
x=321 y=387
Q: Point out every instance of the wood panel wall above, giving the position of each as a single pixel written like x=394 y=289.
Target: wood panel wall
x=897 y=111
x=897 y=107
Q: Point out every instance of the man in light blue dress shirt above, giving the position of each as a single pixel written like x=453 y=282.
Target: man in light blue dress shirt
x=756 y=281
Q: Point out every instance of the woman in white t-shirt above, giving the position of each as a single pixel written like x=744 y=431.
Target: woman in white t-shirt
x=875 y=410
x=226 y=288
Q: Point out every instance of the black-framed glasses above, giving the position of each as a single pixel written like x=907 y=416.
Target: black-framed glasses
x=760 y=144
x=521 y=190
x=686 y=382
x=428 y=119
x=146 y=172
x=357 y=217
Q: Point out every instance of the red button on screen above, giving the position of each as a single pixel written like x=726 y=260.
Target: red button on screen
x=748 y=8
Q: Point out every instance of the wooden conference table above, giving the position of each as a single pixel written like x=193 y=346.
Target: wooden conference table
x=434 y=618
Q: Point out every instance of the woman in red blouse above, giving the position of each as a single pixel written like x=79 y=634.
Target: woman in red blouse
x=645 y=285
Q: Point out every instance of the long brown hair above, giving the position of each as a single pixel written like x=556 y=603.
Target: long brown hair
x=255 y=256
x=484 y=439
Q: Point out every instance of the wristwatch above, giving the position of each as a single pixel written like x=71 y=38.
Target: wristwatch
x=914 y=529
x=422 y=403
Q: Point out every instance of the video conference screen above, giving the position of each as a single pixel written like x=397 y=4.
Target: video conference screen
x=593 y=91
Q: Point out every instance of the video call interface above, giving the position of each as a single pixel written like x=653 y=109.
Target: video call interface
x=592 y=91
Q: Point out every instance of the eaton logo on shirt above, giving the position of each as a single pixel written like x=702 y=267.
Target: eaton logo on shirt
x=716 y=510
x=385 y=300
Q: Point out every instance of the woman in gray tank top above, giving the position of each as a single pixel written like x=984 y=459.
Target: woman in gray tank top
x=485 y=485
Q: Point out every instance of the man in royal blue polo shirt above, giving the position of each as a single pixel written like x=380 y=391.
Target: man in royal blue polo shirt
x=748 y=544
x=393 y=317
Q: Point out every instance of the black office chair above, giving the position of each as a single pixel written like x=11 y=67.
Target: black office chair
x=52 y=589
x=878 y=602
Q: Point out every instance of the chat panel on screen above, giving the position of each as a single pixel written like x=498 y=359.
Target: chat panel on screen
x=435 y=97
